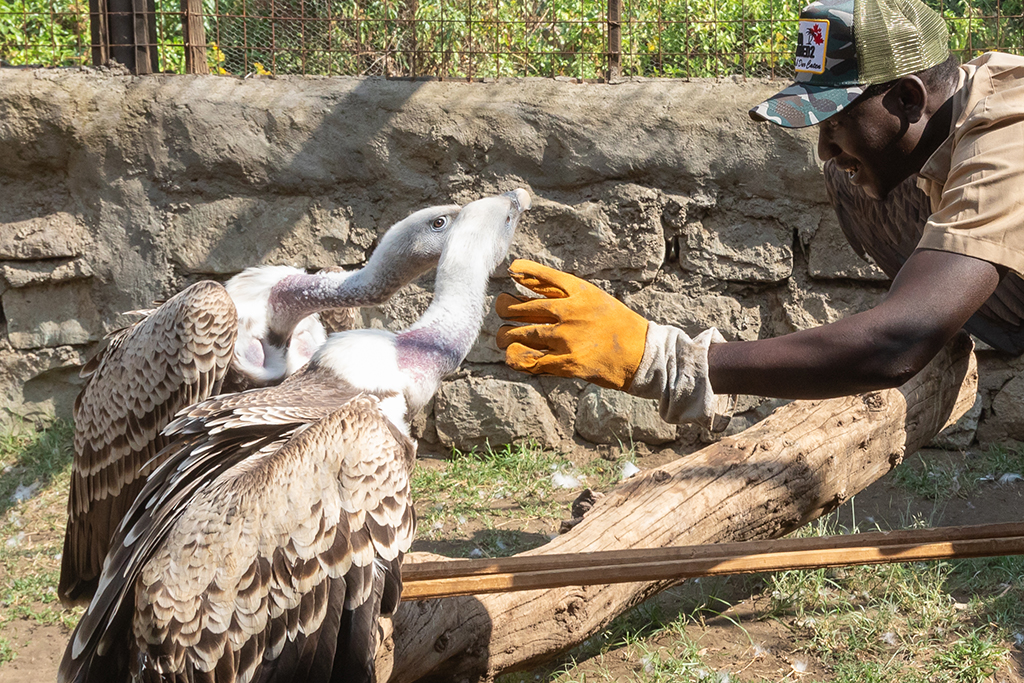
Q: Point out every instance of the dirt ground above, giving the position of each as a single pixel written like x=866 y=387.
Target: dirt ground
x=758 y=650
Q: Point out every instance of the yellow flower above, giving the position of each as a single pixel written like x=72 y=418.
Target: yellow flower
x=218 y=56
x=260 y=69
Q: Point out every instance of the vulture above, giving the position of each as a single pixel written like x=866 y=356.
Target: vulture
x=269 y=541
x=208 y=339
x=887 y=231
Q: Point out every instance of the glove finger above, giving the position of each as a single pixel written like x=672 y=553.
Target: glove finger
x=522 y=358
x=545 y=338
x=504 y=300
x=526 y=310
x=510 y=299
x=502 y=338
x=554 y=284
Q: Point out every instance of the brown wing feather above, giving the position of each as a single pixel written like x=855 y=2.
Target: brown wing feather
x=888 y=231
x=173 y=358
x=885 y=231
x=254 y=572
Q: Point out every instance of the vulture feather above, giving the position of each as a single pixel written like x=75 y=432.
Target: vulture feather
x=887 y=231
x=269 y=541
x=208 y=339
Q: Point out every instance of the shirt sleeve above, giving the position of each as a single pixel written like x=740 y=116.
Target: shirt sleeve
x=980 y=212
x=674 y=370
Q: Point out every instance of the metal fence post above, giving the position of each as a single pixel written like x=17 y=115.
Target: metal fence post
x=614 y=39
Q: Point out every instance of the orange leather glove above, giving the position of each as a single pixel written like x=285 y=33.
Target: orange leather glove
x=578 y=330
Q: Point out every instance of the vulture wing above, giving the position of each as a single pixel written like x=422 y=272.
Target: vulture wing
x=264 y=549
x=174 y=357
x=885 y=231
x=888 y=231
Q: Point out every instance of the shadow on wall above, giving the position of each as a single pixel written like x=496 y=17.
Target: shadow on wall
x=285 y=193
x=54 y=391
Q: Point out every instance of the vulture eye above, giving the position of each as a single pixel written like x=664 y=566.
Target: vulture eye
x=439 y=223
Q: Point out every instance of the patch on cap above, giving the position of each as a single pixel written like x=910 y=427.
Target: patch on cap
x=811 y=44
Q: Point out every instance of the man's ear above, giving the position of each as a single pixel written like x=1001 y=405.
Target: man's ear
x=911 y=96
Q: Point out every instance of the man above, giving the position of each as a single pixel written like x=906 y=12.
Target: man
x=877 y=78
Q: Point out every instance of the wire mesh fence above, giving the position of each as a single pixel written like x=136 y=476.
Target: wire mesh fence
x=585 y=39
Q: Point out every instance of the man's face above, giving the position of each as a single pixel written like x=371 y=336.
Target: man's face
x=869 y=141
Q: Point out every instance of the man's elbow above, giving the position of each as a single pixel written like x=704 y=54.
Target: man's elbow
x=897 y=375
x=898 y=360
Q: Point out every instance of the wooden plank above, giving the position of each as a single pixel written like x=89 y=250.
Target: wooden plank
x=130 y=36
x=121 y=36
x=557 y=571
x=144 y=42
x=457 y=568
x=99 y=34
x=614 y=39
x=194 y=37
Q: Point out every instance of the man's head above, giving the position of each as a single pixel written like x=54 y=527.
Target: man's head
x=872 y=73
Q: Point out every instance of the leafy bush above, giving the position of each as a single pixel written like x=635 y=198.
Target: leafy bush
x=473 y=39
x=44 y=32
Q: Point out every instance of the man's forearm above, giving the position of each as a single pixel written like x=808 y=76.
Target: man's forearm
x=824 y=362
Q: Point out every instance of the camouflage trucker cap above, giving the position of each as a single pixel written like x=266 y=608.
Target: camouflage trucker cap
x=843 y=46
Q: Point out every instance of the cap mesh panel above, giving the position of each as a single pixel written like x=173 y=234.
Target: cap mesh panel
x=897 y=37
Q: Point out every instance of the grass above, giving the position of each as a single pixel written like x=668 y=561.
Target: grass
x=659 y=646
x=494 y=487
x=903 y=622
x=33 y=457
x=35 y=467
x=949 y=621
x=941 y=479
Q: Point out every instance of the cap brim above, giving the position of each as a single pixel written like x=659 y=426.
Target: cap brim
x=802 y=104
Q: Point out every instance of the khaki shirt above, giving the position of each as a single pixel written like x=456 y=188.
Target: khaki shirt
x=975 y=179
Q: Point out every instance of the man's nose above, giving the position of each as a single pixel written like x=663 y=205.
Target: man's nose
x=827 y=149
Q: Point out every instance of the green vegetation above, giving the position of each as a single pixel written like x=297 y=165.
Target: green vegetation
x=946 y=622
x=35 y=466
x=493 y=487
x=32 y=458
x=903 y=622
x=43 y=32
x=939 y=479
x=462 y=38
x=951 y=621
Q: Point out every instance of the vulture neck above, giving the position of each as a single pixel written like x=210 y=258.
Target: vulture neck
x=438 y=342
x=301 y=295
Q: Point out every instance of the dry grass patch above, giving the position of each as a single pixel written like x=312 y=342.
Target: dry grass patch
x=35 y=466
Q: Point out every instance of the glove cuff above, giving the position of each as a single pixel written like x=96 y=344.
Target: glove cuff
x=674 y=370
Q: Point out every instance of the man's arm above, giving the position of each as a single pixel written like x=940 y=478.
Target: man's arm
x=930 y=300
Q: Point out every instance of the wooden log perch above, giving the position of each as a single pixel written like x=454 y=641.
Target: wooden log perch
x=803 y=461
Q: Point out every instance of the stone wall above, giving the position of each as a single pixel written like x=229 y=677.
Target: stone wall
x=117 y=191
